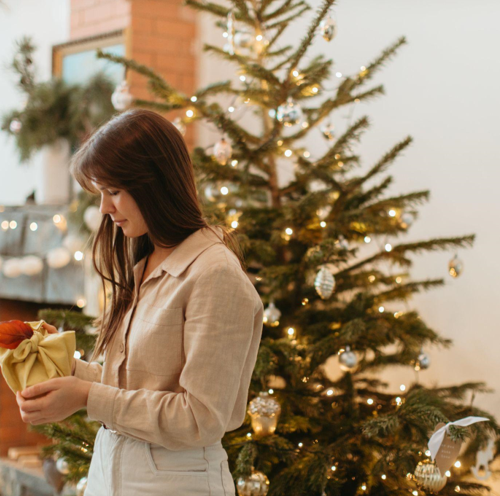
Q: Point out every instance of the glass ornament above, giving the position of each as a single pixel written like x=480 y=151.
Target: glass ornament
x=290 y=113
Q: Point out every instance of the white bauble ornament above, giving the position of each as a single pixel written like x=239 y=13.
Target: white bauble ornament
x=12 y=267
x=348 y=360
x=455 y=267
x=62 y=465
x=290 y=113
x=121 y=97
x=181 y=127
x=81 y=486
x=342 y=243
x=31 y=265
x=328 y=28
x=57 y=258
x=257 y=484
x=222 y=151
x=406 y=220
x=272 y=315
x=327 y=131
x=73 y=243
x=243 y=39
x=15 y=126
x=324 y=283
x=92 y=217
x=423 y=361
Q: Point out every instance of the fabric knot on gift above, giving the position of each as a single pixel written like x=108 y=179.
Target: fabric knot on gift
x=29 y=354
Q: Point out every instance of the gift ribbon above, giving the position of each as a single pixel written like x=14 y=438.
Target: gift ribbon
x=437 y=438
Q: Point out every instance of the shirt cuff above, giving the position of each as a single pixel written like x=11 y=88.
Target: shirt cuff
x=101 y=402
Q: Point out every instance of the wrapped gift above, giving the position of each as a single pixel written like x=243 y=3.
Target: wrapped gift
x=29 y=354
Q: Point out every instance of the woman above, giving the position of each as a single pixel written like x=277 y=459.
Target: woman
x=181 y=334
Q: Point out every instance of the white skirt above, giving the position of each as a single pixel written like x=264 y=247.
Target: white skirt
x=124 y=466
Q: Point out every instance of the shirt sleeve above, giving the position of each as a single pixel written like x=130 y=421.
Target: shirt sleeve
x=86 y=371
x=222 y=331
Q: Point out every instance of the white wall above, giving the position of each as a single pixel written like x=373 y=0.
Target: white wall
x=47 y=22
x=442 y=90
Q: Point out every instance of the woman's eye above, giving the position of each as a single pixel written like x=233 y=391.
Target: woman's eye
x=113 y=193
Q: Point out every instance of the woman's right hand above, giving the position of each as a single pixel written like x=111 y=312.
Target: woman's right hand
x=50 y=328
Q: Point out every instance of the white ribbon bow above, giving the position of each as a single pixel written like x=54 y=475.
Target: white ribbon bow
x=437 y=438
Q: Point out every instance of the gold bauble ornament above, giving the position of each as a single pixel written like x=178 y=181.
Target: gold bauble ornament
x=256 y=484
x=455 y=267
x=264 y=411
x=428 y=476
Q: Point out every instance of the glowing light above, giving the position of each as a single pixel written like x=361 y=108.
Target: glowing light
x=81 y=302
x=13 y=224
x=388 y=247
x=402 y=387
x=329 y=392
x=271 y=391
x=279 y=142
x=363 y=487
x=369 y=401
x=249 y=434
x=288 y=153
x=305 y=125
x=381 y=309
x=383 y=476
x=334 y=468
x=234 y=224
x=398 y=401
x=392 y=213
x=339 y=74
x=259 y=37
x=458 y=464
x=33 y=226
x=372 y=278
x=427 y=453
x=315 y=89
x=415 y=493
x=224 y=34
x=5 y=225
x=289 y=231
x=77 y=354
x=300 y=445
x=224 y=190
x=399 y=280
x=234 y=163
x=295 y=73
x=194 y=98
x=363 y=68
x=306 y=154
x=78 y=255
x=230 y=109
x=447 y=473
x=457 y=489
x=189 y=113
x=368 y=239
x=322 y=223
x=243 y=78
x=56 y=219
x=291 y=332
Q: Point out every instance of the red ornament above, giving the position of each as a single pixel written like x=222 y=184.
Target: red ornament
x=13 y=332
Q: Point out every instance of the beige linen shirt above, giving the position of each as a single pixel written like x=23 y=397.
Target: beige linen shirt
x=178 y=371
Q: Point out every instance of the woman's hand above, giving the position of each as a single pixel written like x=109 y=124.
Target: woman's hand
x=50 y=328
x=53 y=400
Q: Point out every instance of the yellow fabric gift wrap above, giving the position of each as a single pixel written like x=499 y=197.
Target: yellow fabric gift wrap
x=42 y=357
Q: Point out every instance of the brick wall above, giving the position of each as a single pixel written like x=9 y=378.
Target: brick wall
x=160 y=34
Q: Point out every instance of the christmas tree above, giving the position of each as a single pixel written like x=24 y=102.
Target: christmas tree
x=305 y=245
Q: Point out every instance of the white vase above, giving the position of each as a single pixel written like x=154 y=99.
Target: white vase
x=54 y=181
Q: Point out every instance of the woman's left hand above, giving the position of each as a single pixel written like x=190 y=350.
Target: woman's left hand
x=53 y=400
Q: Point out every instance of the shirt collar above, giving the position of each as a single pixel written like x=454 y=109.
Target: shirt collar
x=184 y=253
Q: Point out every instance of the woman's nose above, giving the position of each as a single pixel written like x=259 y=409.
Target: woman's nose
x=106 y=206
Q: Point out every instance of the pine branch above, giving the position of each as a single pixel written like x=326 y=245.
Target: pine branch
x=213 y=8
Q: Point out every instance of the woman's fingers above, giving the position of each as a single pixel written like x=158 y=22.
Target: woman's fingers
x=52 y=329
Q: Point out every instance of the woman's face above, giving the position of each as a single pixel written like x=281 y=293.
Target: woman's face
x=123 y=210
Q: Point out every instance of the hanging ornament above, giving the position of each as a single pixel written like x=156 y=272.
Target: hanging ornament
x=62 y=465
x=289 y=113
x=181 y=127
x=81 y=486
x=423 y=361
x=272 y=315
x=482 y=470
x=428 y=476
x=92 y=217
x=406 y=220
x=323 y=212
x=230 y=33
x=256 y=484
x=342 y=243
x=12 y=267
x=57 y=258
x=328 y=28
x=121 y=97
x=348 y=360
x=264 y=411
x=455 y=266
x=243 y=39
x=31 y=265
x=324 y=283
x=222 y=151
x=15 y=126
x=327 y=130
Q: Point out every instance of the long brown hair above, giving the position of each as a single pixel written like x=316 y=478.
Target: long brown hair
x=143 y=153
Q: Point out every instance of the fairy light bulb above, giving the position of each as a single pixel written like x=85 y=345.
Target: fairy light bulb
x=189 y=113
x=381 y=309
x=388 y=247
x=5 y=225
x=368 y=239
x=392 y=213
x=194 y=98
x=338 y=74
x=243 y=78
x=306 y=154
x=369 y=401
x=13 y=224
x=78 y=256
x=33 y=226
x=291 y=333
x=288 y=153
x=224 y=190
x=289 y=231
x=402 y=387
